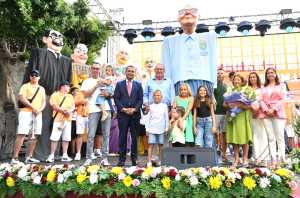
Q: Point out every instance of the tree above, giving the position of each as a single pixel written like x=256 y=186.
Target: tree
x=22 y=25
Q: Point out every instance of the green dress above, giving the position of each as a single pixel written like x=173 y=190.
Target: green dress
x=238 y=130
x=189 y=135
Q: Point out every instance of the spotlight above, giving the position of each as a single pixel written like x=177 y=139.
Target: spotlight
x=222 y=28
x=244 y=27
x=202 y=28
x=148 y=33
x=130 y=35
x=298 y=23
x=262 y=26
x=287 y=24
x=167 y=31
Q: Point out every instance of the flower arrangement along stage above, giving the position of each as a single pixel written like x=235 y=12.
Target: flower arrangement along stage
x=160 y=182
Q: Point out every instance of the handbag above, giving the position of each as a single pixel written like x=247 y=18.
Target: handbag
x=21 y=104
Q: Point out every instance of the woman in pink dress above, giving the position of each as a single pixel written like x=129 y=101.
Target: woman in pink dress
x=271 y=103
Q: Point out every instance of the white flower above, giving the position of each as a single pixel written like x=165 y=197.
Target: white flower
x=37 y=179
x=265 y=171
x=130 y=170
x=204 y=173
x=193 y=180
x=145 y=176
x=93 y=178
x=34 y=175
x=60 y=178
x=67 y=174
x=264 y=182
x=276 y=178
x=177 y=177
x=121 y=176
x=231 y=176
x=238 y=176
x=244 y=170
x=58 y=166
x=222 y=177
x=22 y=173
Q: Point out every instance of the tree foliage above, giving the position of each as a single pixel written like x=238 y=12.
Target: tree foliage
x=23 y=23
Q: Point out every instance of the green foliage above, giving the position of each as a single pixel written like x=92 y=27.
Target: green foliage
x=296 y=125
x=23 y=22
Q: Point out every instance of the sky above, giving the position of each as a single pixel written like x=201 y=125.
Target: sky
x=166 y=10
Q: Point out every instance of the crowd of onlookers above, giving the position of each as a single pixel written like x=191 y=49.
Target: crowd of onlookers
x=154 y=115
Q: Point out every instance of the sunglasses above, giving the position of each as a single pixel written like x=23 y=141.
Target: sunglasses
x=192 y=11
x=34 y=75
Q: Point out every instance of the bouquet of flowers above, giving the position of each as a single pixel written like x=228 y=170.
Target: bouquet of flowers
x=245 y=95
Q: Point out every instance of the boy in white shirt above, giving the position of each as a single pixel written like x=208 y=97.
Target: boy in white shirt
x=156 y=124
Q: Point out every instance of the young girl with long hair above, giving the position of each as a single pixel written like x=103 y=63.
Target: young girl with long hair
x=204 y=118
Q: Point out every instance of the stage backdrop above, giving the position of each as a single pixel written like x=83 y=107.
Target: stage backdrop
x=242 y=53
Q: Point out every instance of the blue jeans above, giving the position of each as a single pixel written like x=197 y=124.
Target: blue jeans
x=92 y=127
x=204 y=137
x=105 y=127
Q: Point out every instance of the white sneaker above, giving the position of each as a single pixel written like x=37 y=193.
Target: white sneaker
x=14 y=161
x=31 y=160
x=105 y=162
x=50 y=159
x=77 y=157
x=98 y=153
x=93 y=156
x=66 y=158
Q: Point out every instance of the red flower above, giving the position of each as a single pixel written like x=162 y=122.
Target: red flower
x=242 y=174
x=259 y=172
x=138 y=172
x=66 y=166
x=35 y=168
x=222 y=172
x=111 y=182
x=8 y=174
x=172 y=172
x=44 y=180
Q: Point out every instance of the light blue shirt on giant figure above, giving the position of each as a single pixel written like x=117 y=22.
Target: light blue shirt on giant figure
x=191 y=57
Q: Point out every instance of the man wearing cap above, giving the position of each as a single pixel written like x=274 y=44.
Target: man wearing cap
x=63 y=105
x=33 y=100
x=190 y=57
x=54 y=68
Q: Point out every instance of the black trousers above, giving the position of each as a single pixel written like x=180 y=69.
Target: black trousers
x=125 y=123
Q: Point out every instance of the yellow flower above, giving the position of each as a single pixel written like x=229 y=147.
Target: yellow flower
x=215 y=182
x=166 y=182
x=127 y=181
x=93 y=169
x=282 y=172
x=80 y=178
x=117 y=170
x=10 y=182
x=249 y=183
x=51 y=175
x=148 y=171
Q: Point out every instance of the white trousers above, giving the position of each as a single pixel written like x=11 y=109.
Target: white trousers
x=275 y=131
x=260 y=141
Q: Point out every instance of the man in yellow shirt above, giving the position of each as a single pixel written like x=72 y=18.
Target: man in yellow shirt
x=63 y=105
x=33 y=97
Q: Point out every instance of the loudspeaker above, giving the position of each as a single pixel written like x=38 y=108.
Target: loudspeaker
x=188 y=157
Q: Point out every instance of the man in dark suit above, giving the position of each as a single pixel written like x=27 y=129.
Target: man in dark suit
x=128 y=98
